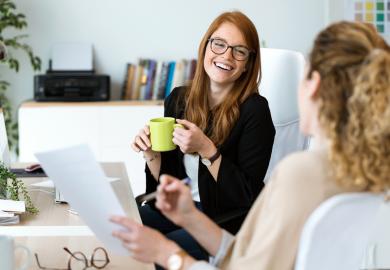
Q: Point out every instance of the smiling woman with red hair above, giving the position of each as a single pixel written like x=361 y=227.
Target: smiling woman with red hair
x=227 y=142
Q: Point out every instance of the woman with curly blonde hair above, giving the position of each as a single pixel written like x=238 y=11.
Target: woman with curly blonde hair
x=344 y=103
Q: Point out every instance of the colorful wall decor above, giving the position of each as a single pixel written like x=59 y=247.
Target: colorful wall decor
x=376 y=12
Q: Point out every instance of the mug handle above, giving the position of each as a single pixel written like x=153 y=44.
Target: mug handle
x=27 y=263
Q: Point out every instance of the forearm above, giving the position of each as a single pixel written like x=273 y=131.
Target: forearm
x=153 y=161
x=214 y=168
x=204 y=230
x=208 y=151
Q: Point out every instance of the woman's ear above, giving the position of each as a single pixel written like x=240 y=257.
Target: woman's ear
x=313 y=84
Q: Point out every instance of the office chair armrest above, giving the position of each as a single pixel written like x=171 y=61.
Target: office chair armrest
x=139 y=199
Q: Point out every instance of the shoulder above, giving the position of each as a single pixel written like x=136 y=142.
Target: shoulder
x=255 y=105
x=255 y=110
x=176 y=93
x=309 y=169
x=175 y=98
x=254 y=101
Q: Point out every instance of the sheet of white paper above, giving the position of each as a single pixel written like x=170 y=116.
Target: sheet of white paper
x=74 y=56
x=44 y=184
x=112 y=179
x=12 y=206
x=80 y=178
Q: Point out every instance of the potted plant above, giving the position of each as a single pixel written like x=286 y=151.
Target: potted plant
x=14 y=189
x=11 y=19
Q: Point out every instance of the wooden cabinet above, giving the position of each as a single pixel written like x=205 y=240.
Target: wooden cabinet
x=107 y=127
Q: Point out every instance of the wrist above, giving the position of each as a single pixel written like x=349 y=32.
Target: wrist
x=150 y=155
x=208 y=149
x=190 y=219
x=177 y=259
x=167 y=249
x=188 y=261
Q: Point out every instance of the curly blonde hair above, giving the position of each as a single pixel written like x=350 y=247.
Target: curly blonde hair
x=354 y=97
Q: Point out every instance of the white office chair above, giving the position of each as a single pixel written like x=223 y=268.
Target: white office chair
x=282 y=71
x=347 y=232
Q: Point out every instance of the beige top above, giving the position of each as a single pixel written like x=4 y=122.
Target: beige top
x=269 y=237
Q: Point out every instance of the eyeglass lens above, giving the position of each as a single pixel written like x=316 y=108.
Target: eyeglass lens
x=219 y=46
x=78 y=260
x=99 y=258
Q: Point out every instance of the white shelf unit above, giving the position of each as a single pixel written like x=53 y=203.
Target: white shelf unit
x=107 y=127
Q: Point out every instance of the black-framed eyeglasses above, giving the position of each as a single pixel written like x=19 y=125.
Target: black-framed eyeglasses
x=220 y=46
x=78 y=260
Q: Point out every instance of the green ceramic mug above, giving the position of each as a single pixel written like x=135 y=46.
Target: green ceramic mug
x=161 y=133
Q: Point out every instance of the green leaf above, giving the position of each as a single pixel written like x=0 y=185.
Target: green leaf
x=11 y=18
x=14 y=189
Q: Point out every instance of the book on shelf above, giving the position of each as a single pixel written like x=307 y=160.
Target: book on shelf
x=171 y=71
x=154 y=80
x=150 y=79
x=128 y=83
x=178 y=74
x=138 y=80
x=163 y=80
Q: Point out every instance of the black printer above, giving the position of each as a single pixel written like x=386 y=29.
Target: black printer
x=71 y=86
x=71 y=76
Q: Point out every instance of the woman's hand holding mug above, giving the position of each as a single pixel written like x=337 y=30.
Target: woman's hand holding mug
x=192 y=139
x=142 y=140
x=143 y=143
x=157 y=136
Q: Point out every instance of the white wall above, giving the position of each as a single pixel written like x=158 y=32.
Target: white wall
x=123 y=30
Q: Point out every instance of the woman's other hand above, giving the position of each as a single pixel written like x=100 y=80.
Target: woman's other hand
x=145 y=244
x=191 y=139
x=142 y=140
x=174 y=200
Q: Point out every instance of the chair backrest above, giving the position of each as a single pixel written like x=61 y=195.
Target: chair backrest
x=282 y=71
x=337 y=233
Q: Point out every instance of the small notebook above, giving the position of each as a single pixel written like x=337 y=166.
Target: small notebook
x=9 y=220
x=12 y=206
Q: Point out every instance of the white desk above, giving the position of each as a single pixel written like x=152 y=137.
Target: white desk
x=54 y=227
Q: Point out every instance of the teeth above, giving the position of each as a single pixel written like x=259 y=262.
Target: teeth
x=223 y=66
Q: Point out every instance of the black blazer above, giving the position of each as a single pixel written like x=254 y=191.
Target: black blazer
x=245 y=156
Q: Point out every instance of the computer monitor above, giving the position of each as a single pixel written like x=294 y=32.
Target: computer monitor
x=5 y=157
x=4 y=149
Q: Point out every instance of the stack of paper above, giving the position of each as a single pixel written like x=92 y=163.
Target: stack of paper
x=8 y=218
x=9 y=210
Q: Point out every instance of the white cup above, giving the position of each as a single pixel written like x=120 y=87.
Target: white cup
x=7 y=254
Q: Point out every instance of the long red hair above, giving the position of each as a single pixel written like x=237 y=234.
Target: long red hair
x=225 y=114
